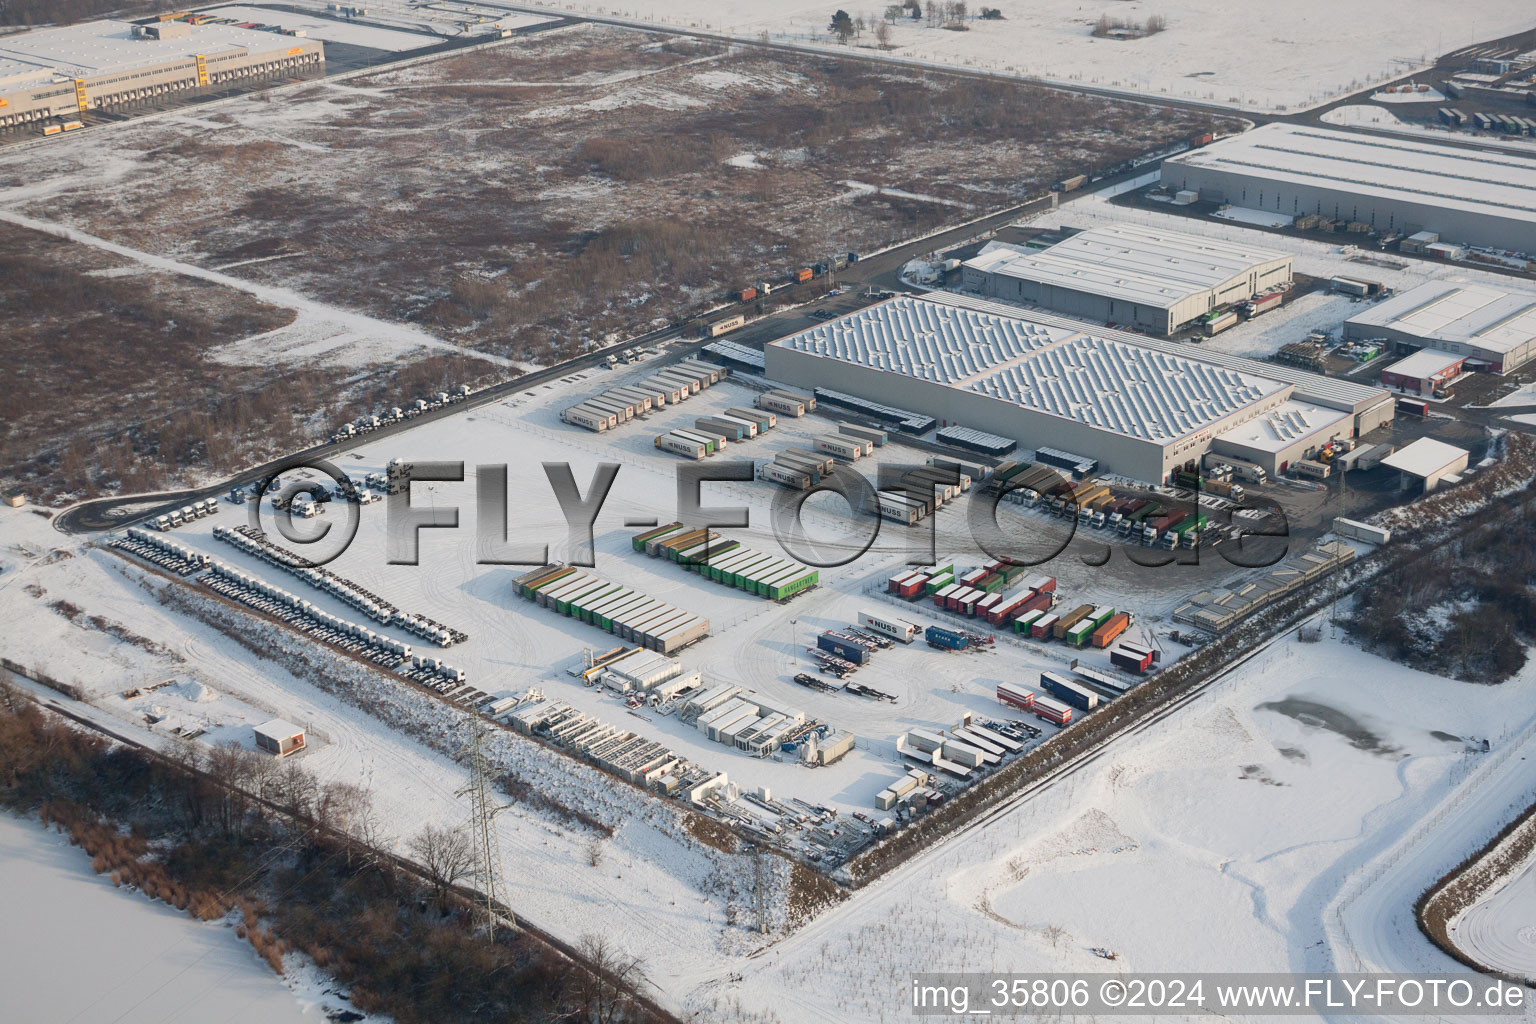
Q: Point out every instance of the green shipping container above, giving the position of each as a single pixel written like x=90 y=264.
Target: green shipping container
x=1079 y=634
x=639 y=539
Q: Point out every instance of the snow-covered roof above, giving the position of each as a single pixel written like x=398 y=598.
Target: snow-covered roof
x=1495 y=184
x=1118 y=385
x=1426 y=457
x=277 y=730
x=1469 y=314
x=1425 y=363
x=94 y=48
x=1332 y=392
x=1145 y=265
x=1283 y=426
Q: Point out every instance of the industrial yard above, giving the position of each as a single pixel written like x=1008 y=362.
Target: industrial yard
x=523 y=515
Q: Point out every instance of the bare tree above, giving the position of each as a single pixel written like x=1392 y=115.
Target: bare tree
x=595 y=852
x=445 y=854
x=883 y=35
x=611 y=975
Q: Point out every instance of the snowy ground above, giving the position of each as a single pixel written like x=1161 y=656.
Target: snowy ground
x=76 y=948
x=1225 y=828
x=1500 y=929
x=1210 y=51
x=1229 y=807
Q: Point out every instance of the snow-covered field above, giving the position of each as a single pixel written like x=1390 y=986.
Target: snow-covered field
x=1219 y=839
x=1244 y=55
x=77 y=949
x=1500 y=929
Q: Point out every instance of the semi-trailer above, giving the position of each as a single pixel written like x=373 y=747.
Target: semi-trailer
x=764 y=419
x=1044 y=627
x=842 y=648
x=844 y=448
x=1065 y=622
x=892 y=506
x=821 y=459
x=1131 y=660
x=1105 y=634
x=1079 y=633
x=873 y=435
x=1020 y=697
x=1025 y=623
x=1049 y=710
x=897 y=629
x=781 y=406
x=731 y=430
x=945 y=639
x=1064 y=689
x=678 y=445
x=785 y=476
x=749 y=427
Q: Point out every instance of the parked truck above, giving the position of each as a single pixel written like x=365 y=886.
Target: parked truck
x=945 y=639
x=1071 y=184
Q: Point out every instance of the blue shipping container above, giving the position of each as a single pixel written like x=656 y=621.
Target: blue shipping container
x=843 y=649
x=945 y=639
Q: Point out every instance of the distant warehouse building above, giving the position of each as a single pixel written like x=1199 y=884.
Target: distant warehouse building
x=1393 y=184
x=1149 y=278
x=107 y=65
x=1492 y=329
x=1141 y=407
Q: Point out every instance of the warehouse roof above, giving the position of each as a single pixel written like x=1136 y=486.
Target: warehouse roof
x=1145 y=265
x=1283 y=426
x=1426 y=457
x=1426 y=362
x=1312 y=387
x=100 y=47
x=1495 y=184
x=1110 y=382
x=1488 y=318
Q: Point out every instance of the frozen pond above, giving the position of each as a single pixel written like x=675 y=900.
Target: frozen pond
x=76 y=949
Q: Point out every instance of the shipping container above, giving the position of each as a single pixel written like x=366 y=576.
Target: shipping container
x=1071 y=184
x=1064 y=689
x=765 y=420
x=1025 y=623
x=785 y=476
x=1106 y=634
x=1016 y=696
x=897 y=629
x=719 y=327
x=1079 y=633
x=1050 y=710
x=945 y=639
x=1130 y=661
x=1070 y=619
x=842 y=648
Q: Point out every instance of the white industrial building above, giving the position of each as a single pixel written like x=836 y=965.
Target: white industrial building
x=1427 y=462
x=1394 y=184
x=1492 y=329
x=1140 y=406
x=1143 y=277
x=108 y=65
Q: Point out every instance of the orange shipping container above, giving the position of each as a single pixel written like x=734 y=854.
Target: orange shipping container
x=1105 y=634
x=748 y=294
x=803 y=274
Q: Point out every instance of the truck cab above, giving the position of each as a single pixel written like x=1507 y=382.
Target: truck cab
x=1149 y=535
x=1098 y=520
x=1170 y=540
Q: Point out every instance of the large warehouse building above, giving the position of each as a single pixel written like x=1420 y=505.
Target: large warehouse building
x=1141 y=407
x=107 y=65
x=1393 y=184
x=1493 y=329
x=1143 y=277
